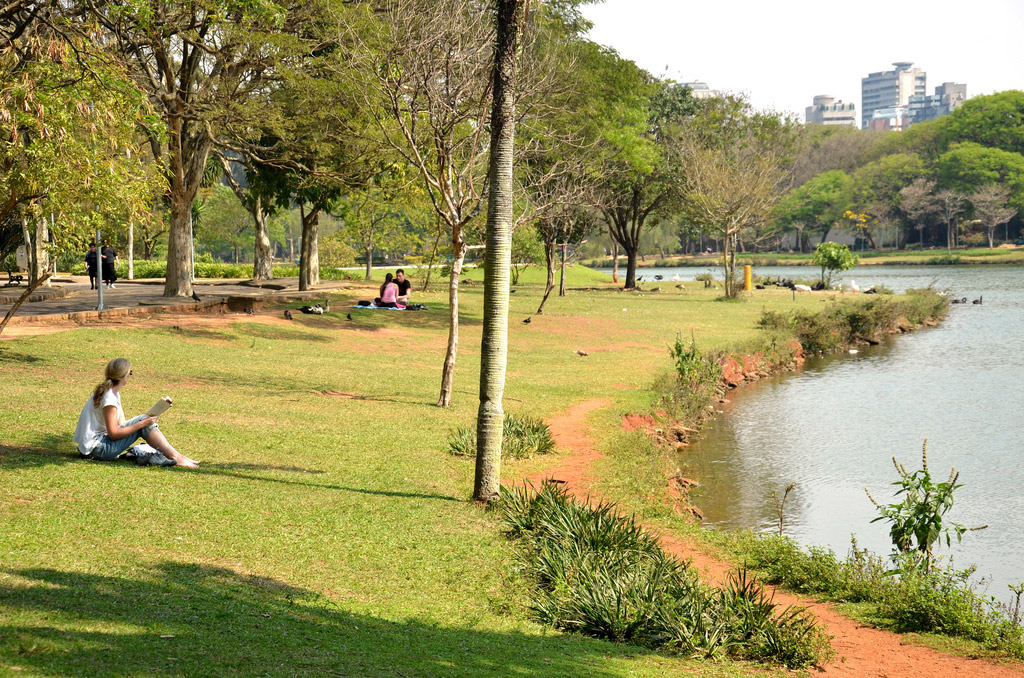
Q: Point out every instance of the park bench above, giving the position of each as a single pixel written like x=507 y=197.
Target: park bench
x=12 y=279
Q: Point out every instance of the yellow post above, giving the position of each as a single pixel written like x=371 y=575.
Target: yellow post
x=746 y=278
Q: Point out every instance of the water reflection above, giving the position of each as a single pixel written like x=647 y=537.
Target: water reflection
x=834 y=428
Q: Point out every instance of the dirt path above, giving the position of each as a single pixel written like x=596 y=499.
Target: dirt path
x=861 y=651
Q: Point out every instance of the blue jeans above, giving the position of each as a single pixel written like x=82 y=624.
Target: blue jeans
x=108 y=449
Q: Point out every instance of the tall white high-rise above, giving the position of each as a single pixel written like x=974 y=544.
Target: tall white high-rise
x=890 y=89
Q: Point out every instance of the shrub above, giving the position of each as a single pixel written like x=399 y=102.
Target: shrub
x=522 y=437
x=602 y=574
x=698 y=380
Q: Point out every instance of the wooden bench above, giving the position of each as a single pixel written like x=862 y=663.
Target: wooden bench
x=12 y=279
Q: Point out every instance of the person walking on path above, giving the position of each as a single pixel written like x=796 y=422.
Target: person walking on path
x=91 y=265
x=102 y=432
x=109 y=256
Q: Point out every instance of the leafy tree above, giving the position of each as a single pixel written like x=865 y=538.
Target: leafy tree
x=732 y=164
x=69 y=114
x=993 y=120
x=639 y=180
x=876 y=186
x=376 y=217
x=966 y=167
x=832 y=257
x=990 y=208
x=818 y=204
x=203 y=64
x=422 y=72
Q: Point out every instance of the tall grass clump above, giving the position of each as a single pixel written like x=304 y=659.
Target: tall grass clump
x=602 y=574
x=522 y=437
x=695 y=384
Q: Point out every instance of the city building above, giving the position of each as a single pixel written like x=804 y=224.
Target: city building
x=895 y=119
x=890 y=89
x=827 y=111
x=700 y=90
x=947 y=97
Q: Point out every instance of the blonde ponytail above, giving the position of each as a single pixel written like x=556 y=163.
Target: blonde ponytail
x=117 y=369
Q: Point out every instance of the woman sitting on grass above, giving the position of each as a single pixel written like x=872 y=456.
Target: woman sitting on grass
x=388 y=294
x=103 y=434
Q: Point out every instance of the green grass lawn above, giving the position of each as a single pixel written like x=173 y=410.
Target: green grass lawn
x=324 y=534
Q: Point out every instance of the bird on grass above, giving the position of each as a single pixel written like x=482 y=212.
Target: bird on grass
x=250 y=311
x=288 y=314
x=527 y=321
x=655 y=289
x=348 y=316
x=853 y=287
x=195 y=297
x=327 y=306
x=315 y=310
x=581 y=353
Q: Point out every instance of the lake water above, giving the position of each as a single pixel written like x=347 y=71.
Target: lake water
x=834 y=427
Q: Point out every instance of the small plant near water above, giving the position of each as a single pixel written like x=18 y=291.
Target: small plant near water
x=912 y=592
x=522 y=437
x=917 y=521
x=832 y=257
x=603 y=575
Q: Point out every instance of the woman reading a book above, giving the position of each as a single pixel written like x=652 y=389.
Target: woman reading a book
x=102 y=432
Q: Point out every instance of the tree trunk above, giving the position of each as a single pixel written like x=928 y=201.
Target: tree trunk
x=369 y=263
x=494 y=343
x=549 y=259
x=630 y=268
x=615 y=261
x=309 y=267
x=561 y=274
x=131 y=250
x=26 y=237
x=825 y=232
x=263 y=254
x=179 y=250
x=448 y=371
x=991 y=236
x=40 y=257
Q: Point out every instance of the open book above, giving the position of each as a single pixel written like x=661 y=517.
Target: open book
x=160 y=407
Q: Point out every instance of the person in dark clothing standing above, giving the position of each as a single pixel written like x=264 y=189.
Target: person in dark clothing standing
x=108 y=255
x=90 y=265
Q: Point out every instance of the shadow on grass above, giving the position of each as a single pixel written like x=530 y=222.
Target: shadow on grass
x=185 y=619
x=46 y=450
x=232 y=471
x=8 y=356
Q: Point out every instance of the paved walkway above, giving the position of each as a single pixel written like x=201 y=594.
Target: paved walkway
x=140 y=296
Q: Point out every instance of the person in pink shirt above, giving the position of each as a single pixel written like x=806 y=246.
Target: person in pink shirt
x=388 y=294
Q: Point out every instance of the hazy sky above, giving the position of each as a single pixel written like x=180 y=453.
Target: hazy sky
x=783 y=53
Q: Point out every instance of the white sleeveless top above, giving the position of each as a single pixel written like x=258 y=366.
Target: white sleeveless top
x=91 y=425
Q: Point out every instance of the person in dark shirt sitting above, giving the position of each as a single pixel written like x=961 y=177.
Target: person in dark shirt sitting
x=404 y=287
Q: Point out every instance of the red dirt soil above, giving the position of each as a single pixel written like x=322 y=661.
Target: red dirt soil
x=861 y=652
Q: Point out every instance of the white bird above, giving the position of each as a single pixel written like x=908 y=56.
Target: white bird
x=801 y=288
x=854 y=351
x=676 y=278
x=854 y=287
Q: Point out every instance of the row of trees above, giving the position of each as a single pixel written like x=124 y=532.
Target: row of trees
x=963 y=171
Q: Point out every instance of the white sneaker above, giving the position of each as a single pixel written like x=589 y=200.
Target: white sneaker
x=113 y=286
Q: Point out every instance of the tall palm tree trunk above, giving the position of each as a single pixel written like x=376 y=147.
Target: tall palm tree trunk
x=494 y=344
